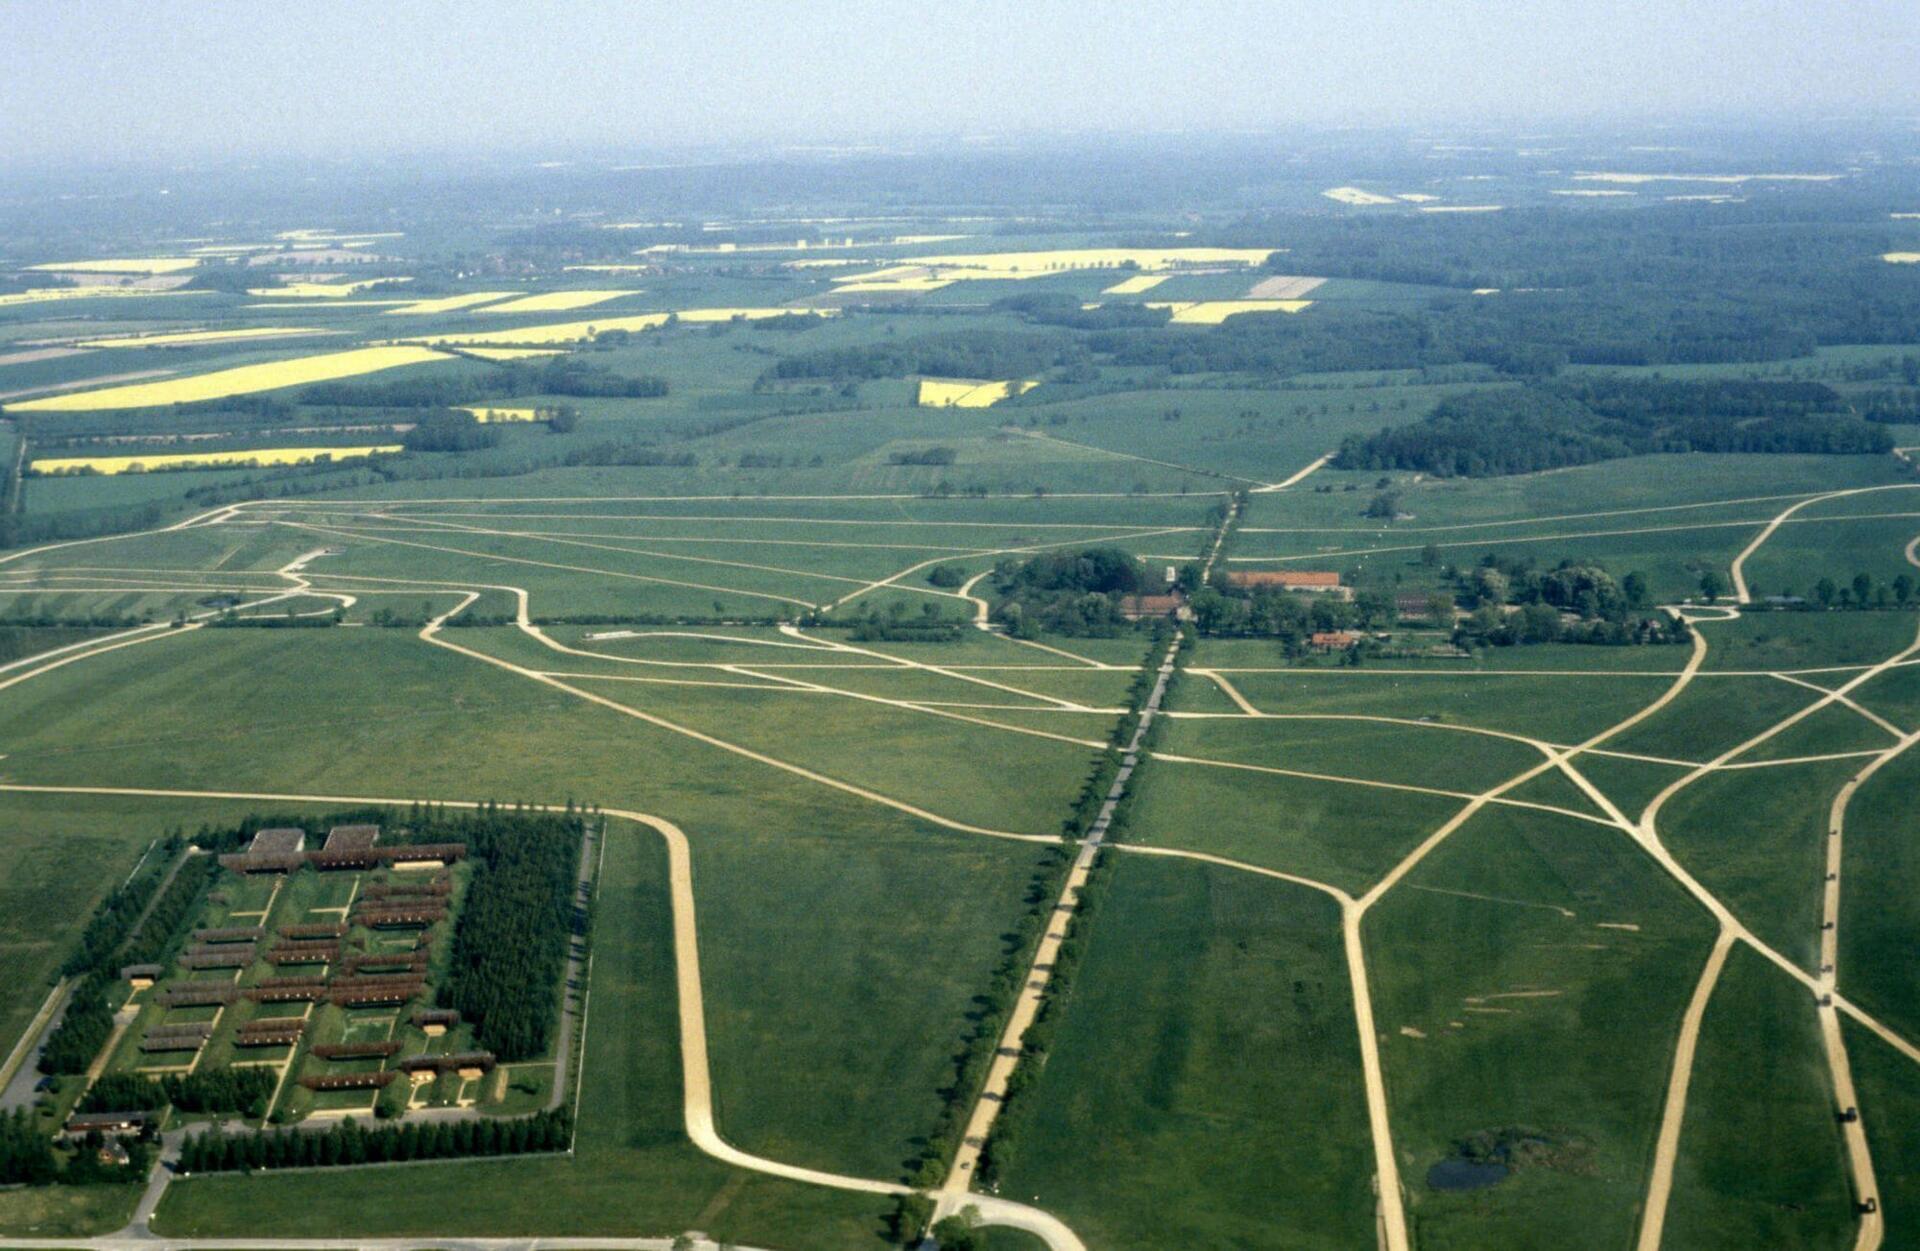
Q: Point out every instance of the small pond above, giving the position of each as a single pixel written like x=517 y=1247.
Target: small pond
x=1454 y=1173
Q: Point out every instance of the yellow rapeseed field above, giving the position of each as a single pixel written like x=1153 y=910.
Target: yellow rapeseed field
x=1136 y=284
x=325 y=306
x=320 y=290
x=183 y=338
x=892 y=284
x=553 y=332
x=447 y=303
x=581 y=331
x=128 y=265
x=1213 y=312
x=556 y=301
x=243 y=380
x=484 y=415
x=41 y=295
x=967 y=392
x=207 y=460
x=511 y=354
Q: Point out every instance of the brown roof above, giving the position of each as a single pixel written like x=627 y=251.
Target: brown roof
x=1334 y=638
x=1303 y=578
x=1149 y=604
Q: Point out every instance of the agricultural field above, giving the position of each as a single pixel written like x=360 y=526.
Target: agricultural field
x=1310 y=716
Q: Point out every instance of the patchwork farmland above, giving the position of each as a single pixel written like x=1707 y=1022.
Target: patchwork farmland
x=1310 y=727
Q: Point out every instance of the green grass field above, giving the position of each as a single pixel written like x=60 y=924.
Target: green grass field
x=1512 y=1000
x=1335 y=832
x=1761 y=1161
x=1203 y=1089
x=1879 y=912
x=1757 y=838
x=841 y=971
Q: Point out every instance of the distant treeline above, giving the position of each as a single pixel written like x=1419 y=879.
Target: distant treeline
x=1662 y=284
x=1577 y=421
x=569 y=376
x=969 y=354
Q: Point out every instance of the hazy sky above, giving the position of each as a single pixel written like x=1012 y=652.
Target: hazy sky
x=104 y=79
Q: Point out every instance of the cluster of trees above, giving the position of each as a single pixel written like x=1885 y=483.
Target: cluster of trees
x=1861 y=592
x=969 y=354
x=1551 y=425
x=1223 y=609
x=1664 y=284
x=160 y=934
x=1888 y=405
x=896 y=624
x=113 y=920
x=449 y=430
x=84 y=1027
x=510 y=943
x=642 y=454
x=88 y=1021
x=925 y=456
x=993 y=1007
x=28 y=1158
x=216 y=1090
x=564 y=375
x=346 y=1142
x=1063 y=308
x=20 y=529
x=1075 y=593
x=1513 y=602
x=26 y=1154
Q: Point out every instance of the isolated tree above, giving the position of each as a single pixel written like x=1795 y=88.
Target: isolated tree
x=959 y=1232
x=1902 y=589
x=910 y=1216
x=1862 y=589
x=1712 y=585
x=1826 y=592
x=1634 y=587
